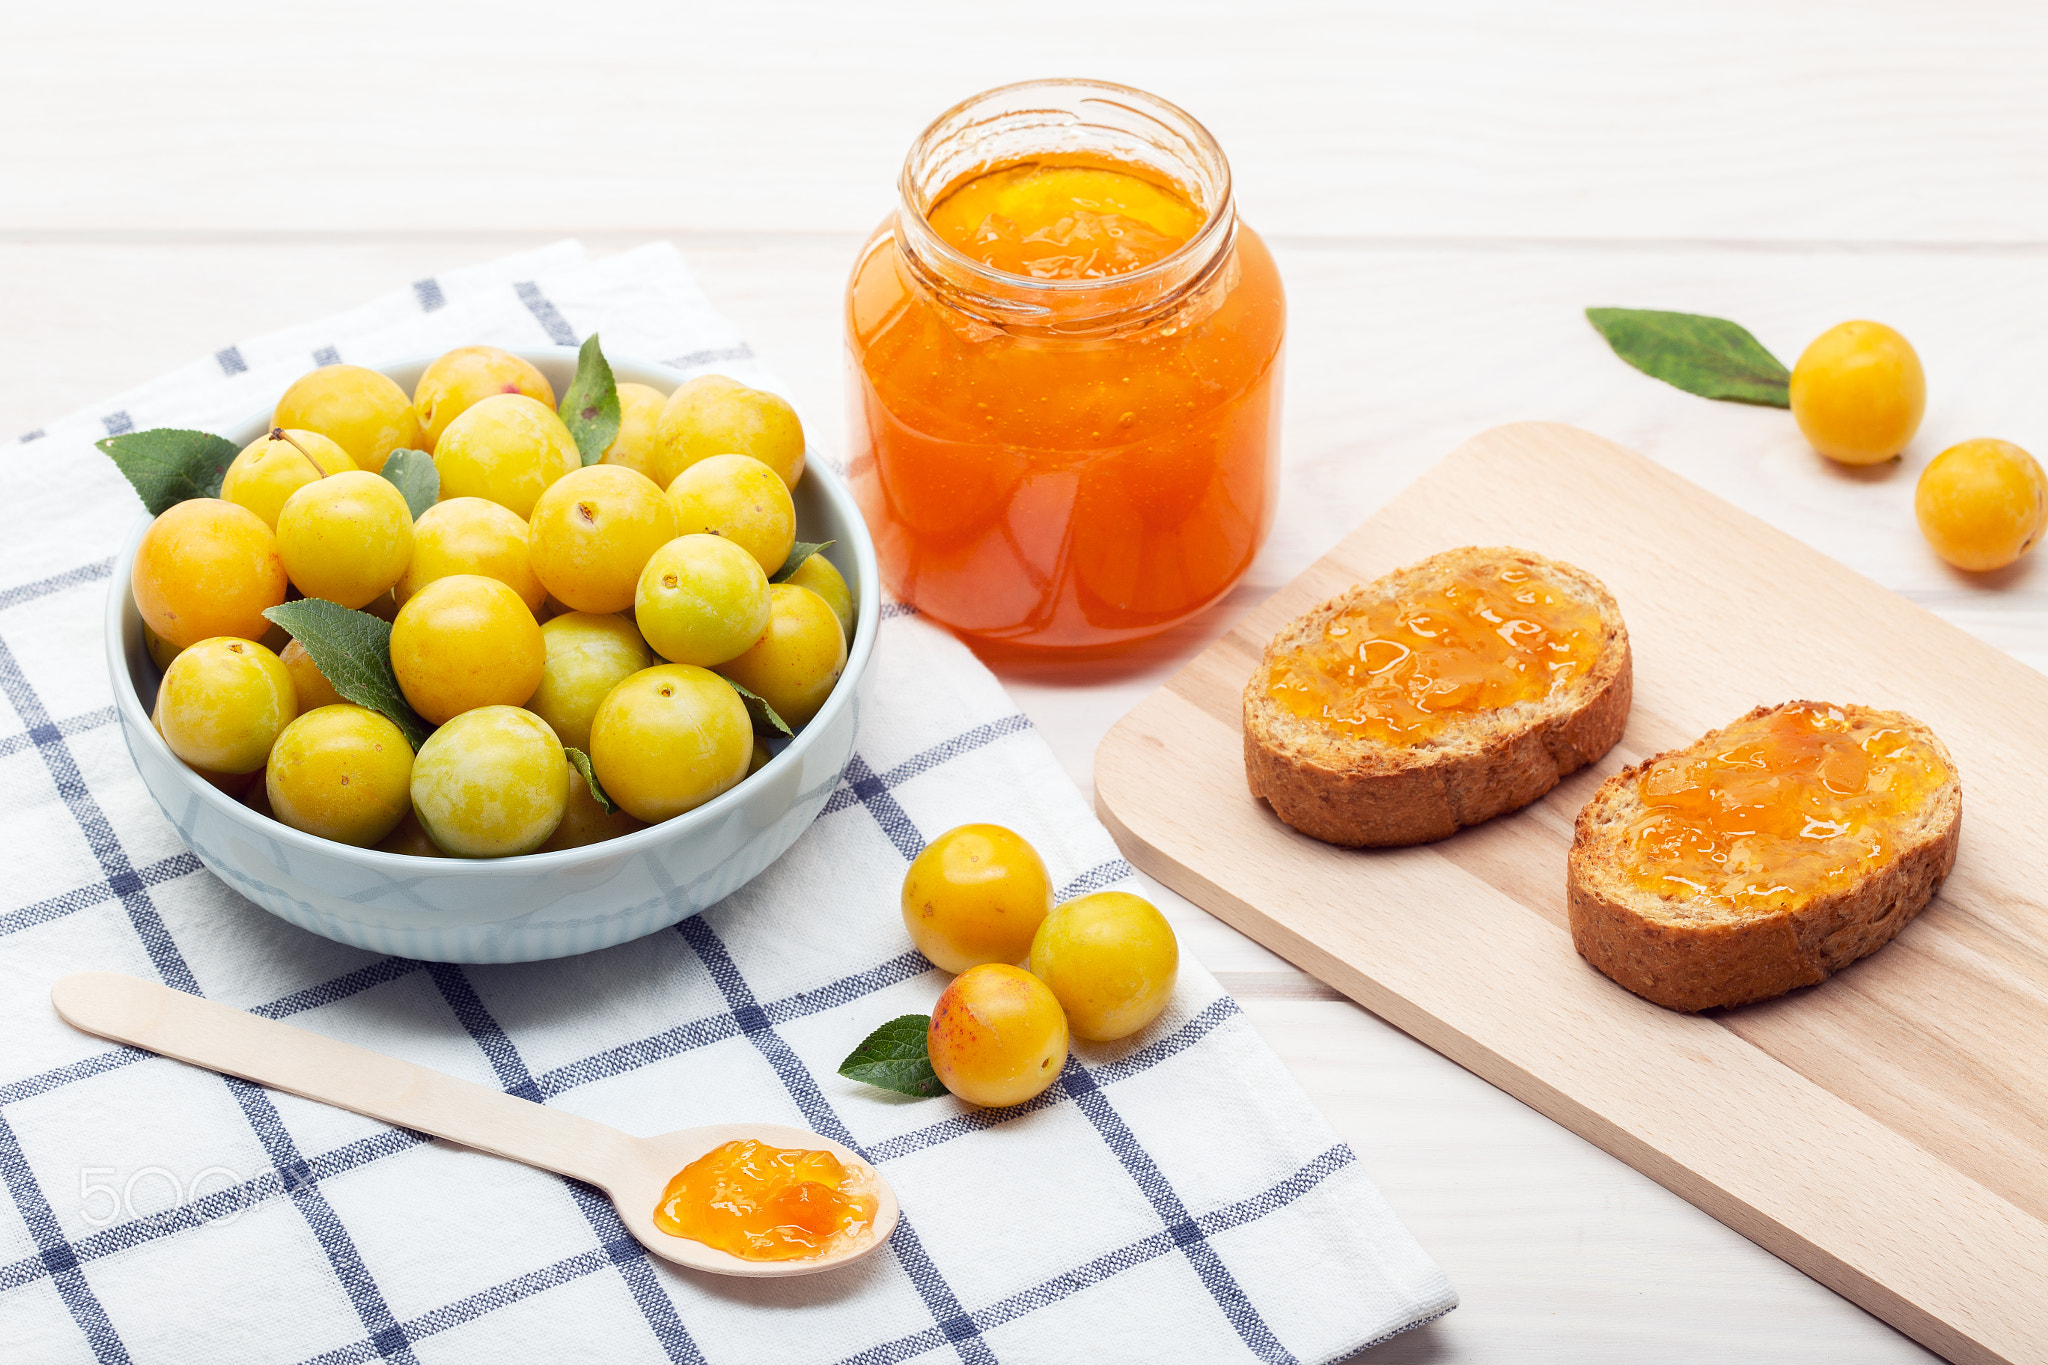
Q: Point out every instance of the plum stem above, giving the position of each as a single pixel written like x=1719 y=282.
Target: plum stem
x=280 y=434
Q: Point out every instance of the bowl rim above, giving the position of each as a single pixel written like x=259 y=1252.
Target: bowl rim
x=135 y=720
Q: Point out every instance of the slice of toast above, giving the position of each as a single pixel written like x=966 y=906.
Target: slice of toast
x=1688 y=948
x=1366 y=790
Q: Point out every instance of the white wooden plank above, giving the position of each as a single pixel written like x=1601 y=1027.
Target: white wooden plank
x=1831 y=120
x=1561 y=1255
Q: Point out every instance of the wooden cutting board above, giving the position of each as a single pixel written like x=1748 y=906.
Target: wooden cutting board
x=1887 y=1131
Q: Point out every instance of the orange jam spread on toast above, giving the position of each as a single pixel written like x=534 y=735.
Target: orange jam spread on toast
x=1064 y=222
x=764 y=1203
x=1780 y=807
x=1399 y=669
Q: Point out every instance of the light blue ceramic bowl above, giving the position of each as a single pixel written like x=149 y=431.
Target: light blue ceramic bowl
x=541 y=905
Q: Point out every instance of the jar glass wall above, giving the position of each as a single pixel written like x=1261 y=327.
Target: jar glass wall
x=1064 y=370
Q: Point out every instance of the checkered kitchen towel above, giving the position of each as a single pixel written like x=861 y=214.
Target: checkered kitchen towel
x=1173 y=1198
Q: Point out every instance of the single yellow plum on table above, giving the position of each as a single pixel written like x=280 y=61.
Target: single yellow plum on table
x=362 y=411
x=1110 y=959
x=668 y=739
x=797 y=663
x=278 y=464
x=507 y=448
x=347 y=537
x=341 y=772
x=206 y=567
x=223 y=703
x=975 y=894
x=491 y=783
x=1858 y=393
x=464 y=377
x=587 y=656
x=997 y=1036
x=593 y=531
x=701 y=600
x=712 y=415
x=822 y=577
x=1982 y=504
x=471 y=535
x=634 y=447
x=738 y=497
x=466 y=641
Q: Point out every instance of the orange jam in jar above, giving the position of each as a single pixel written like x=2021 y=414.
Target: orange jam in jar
x=763 y=1203
x=1064 y=373
x=1780 y=808
x=1399 y=669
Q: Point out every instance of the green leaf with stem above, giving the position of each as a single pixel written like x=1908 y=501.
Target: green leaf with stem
x=1711 y=357
x=798 y=553
x=168 y=466
x=414 y=474
x=894 y=1057
x=580 y=761
x=590 y=408
x=352 y=650
x=766 y=722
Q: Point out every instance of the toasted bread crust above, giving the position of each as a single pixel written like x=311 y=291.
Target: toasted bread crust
x=1713 y=958
x=1364 y=793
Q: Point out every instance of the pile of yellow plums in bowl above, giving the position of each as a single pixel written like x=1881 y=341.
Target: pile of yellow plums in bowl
x=449 y=668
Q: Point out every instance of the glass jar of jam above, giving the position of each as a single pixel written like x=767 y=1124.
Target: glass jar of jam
x=1064 y=376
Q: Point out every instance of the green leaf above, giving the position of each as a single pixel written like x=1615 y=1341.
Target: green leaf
x=893 y=1057
x=414 y=474
x=580 y=761
x=766 y=722
x=352 y=650
x=798 y=553
x=1711 y=357
x=591 y=406
x=169 y=466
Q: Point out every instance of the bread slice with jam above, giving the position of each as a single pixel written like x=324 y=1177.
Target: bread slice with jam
x=1765 y=856
x=1441 y=695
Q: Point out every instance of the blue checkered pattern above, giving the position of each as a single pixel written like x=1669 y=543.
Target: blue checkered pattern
x=1172 y=1197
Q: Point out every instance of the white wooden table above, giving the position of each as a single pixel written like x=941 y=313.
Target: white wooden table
x=1445 y=187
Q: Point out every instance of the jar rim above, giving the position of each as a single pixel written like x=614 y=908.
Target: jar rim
x=1217 y=226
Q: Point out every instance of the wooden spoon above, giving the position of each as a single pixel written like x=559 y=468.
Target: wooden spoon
x=632 y=1170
